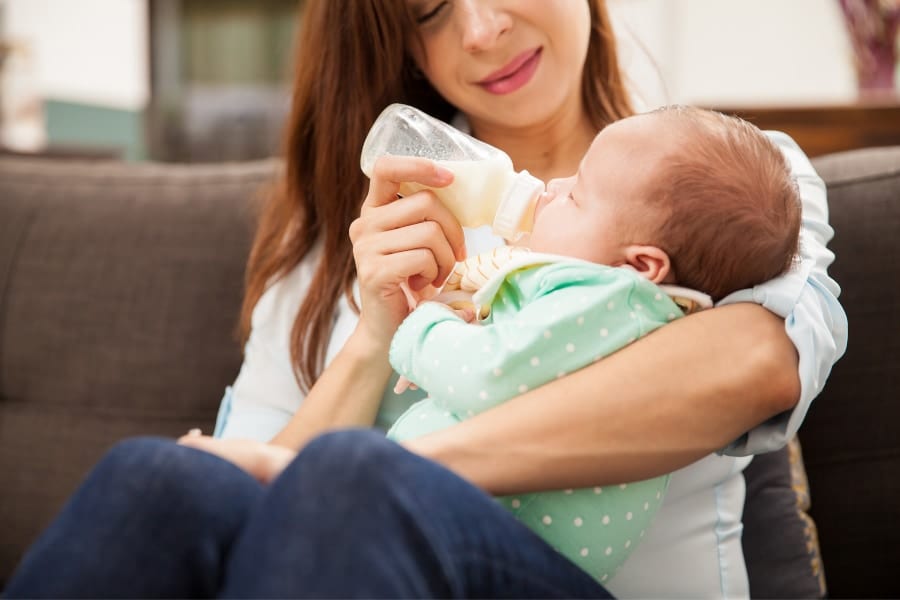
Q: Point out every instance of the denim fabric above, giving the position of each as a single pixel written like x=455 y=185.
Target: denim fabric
x=354 y=515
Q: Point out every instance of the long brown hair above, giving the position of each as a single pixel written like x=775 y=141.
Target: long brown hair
x=351 y=61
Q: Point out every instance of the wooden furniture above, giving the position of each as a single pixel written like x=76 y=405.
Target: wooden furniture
x=831 y=128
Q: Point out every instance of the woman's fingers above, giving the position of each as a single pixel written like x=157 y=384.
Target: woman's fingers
x=421 y=207
x=384 y=273
x=390 y=172
x=262 y=461
x=425 y=235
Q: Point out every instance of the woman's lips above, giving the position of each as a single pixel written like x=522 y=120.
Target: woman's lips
x=514 y=75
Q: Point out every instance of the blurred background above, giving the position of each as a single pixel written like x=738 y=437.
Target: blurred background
x=208 y=80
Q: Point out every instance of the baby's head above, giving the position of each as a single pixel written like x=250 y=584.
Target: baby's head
x=682 y=195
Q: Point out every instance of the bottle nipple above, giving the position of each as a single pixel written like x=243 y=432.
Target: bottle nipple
x=519 y=203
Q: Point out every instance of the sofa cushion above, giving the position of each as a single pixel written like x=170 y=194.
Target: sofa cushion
x=120 y=287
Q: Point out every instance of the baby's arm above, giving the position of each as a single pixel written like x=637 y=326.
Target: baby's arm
x=568 y=324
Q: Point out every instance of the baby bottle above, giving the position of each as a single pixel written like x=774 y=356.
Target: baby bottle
x=486 y=190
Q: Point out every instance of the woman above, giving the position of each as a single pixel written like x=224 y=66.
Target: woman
x=353 y=514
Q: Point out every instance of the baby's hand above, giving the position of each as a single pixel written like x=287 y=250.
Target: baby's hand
x=404 y=384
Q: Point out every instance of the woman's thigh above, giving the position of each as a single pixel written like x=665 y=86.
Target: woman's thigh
x=151 y=519
x=357 y=515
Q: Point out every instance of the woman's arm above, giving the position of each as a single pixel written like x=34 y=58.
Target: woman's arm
x=669 y=399
x=414 y=241
x=691 y=388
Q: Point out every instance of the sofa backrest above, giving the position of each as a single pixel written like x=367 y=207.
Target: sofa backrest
x=119 y=292
x=120 y=287
x=851 y=436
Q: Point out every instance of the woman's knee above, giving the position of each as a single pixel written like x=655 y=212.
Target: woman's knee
x=159 y=472
x=355 y=458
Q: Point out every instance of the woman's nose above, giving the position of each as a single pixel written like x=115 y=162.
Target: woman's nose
x=482 y=24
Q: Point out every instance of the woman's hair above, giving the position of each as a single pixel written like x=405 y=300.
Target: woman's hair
x=733 y=209
x=352 y=60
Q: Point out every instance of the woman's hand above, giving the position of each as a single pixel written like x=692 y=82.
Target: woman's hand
x=263 y=461
x=412 y=241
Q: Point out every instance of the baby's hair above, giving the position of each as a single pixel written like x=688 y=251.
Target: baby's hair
x=734 y=209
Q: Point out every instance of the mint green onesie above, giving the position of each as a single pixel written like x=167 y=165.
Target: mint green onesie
x=546 y=320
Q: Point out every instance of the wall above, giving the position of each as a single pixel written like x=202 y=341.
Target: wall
x=91 y=61
x=735 y=52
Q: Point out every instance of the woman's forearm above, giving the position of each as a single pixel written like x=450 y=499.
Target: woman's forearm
x=686 y=390
x=347 y=394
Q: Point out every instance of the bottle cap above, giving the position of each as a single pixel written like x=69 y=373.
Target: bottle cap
x=520 y=198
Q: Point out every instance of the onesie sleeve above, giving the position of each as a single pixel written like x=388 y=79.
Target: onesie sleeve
x=807 y=298
x=572 y=316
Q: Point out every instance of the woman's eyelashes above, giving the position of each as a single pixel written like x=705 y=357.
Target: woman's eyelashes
x=432 y=13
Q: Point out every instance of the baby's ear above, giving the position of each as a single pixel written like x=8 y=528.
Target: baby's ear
x=650 y=262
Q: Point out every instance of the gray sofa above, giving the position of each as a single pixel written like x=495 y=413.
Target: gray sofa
x=120 y=286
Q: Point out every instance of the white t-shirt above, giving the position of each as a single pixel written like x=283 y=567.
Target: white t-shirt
x=693 y=548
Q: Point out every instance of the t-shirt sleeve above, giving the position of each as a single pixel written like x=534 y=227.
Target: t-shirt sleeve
x=807 y=298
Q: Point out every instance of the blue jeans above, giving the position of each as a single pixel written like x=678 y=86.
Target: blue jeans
x=354 y=515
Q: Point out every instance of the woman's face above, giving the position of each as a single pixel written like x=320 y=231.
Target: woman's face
x=513 y=63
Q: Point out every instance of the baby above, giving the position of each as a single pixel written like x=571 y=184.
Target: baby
x=670 y=211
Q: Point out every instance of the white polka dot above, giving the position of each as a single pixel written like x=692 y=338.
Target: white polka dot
x=598 y=490
x=671 y=316
x=535 y=361
x=646 y=506
x=610 y=305
x=642 y=533
x=486 y=349
x=605 y=520
x=523 y=388
x=580 y=320
x=450 y=389
x=585 y=551
x=423 y=416
x=570 y=347
x=446 y=413
x=436 y=362
x=561 y=374
x=578 y=522
x=569 y=491
x=622 y=486
x=605 y=577
x=632 y=315
x=604 y=332
x=516 y=503
x=548 y=334
x=631 y=340
x=657 y=297
x=583 y=299
x=639 y=306
x=628 y=516
x=498 y=371
x=465 y=368
x=608 y=550
x=547 y=520
x=470 y=412
x=483 y=395
x=628 y=543
x=658 y=495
